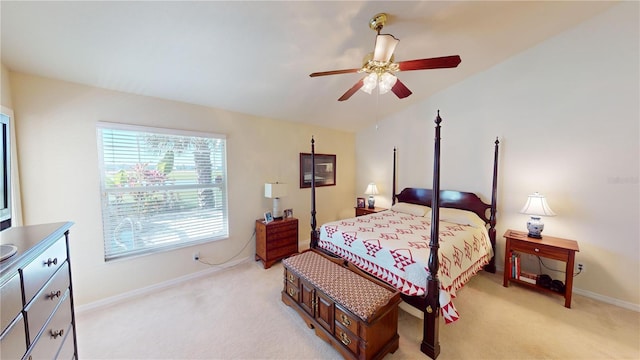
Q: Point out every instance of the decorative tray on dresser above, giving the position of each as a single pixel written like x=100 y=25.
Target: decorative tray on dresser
x=37 y=319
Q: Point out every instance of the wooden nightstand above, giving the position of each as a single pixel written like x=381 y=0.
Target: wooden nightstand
x=276 y=240
x=367 y=211
x=548 y=247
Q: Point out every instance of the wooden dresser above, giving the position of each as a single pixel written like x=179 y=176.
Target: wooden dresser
x=37 y=318
x=276 y=240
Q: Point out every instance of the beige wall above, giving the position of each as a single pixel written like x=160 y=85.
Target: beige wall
x=5 y=87
x=567 y=115
x=56 y=126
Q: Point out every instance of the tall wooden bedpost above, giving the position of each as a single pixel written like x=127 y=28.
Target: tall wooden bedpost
x=393 y=188
x=491 y=266
x=430 y=342
x=314 y=232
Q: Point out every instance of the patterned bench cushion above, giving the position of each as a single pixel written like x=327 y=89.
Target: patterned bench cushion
x=359 y=295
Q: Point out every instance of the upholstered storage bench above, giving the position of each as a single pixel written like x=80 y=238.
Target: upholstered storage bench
x=356 y=314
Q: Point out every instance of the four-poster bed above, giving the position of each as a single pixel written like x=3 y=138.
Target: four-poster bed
x=426 y=293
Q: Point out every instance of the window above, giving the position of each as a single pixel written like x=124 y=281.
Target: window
x=161 y=189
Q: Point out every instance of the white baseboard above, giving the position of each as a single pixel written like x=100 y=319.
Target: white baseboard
x=607 y=299
x=96 y=305
x=599 y=297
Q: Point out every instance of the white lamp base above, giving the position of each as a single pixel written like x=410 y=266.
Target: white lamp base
x=535 y=227
x=276 y=208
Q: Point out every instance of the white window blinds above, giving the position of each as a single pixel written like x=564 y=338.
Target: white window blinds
x=161 y=188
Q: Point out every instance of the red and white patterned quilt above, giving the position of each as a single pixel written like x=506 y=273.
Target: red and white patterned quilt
x=394 y=247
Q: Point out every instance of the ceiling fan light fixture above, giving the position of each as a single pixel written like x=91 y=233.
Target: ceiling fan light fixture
x=387 y=80
x=370 y=82
x=380 y=65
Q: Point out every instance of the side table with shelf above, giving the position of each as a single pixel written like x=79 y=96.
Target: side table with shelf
x=548 y=247
x=276 y=240
x=366 y=211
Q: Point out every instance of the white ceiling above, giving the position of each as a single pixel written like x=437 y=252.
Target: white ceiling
x=256 y=57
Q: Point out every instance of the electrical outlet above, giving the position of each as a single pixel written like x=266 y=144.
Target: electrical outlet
x=196 y=256
x=582 y=268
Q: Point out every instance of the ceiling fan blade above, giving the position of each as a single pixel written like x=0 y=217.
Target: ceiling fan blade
x=432 y=63
x=401 y=90
x=385 y=46
x=334 y=72
x=352 y=91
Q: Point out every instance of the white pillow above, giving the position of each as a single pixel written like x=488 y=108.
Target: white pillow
x=461 y=217
x=412 y=209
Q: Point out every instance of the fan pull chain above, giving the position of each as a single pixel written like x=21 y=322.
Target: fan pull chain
x=377 y=103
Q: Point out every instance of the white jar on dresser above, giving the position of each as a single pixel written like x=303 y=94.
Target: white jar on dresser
x=37 y=318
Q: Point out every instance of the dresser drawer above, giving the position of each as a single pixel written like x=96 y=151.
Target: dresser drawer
x=38 y=272
x=346 y=320
x=347 y=339
x=10 y=301
x=13 y=345
x=68 y=349
x=540 y=249
x=54 y=332
x=43 y=304
x=293 y=291
x=291 y=277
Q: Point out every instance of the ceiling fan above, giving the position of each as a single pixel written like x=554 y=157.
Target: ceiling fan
x=380 y=66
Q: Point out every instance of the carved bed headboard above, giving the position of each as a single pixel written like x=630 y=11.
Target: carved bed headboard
x=448 y=199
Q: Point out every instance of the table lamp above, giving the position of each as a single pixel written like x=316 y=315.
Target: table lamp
x=275 y=191
x=536 y=206
x=371 y=190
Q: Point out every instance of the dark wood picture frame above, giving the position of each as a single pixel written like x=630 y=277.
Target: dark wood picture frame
x=325 y=170
x=360 y=202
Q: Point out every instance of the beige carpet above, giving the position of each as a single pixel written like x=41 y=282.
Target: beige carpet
x=237 y=314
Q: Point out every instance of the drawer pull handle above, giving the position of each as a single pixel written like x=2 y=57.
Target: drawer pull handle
x=344 y=338
x=345 y=320
x=291 y=278
x=55 y=334
x=51 y=262
x=54 y=294
x=536 y=250
x=291 y=292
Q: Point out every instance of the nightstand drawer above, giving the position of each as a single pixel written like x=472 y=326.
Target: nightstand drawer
x=367 y=211
x=282 y=239
x=283 y=251
x=540 y=250
x=278 y=228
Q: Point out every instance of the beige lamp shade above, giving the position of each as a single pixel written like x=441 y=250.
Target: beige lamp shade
x=536 y=206
x=371 y=190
